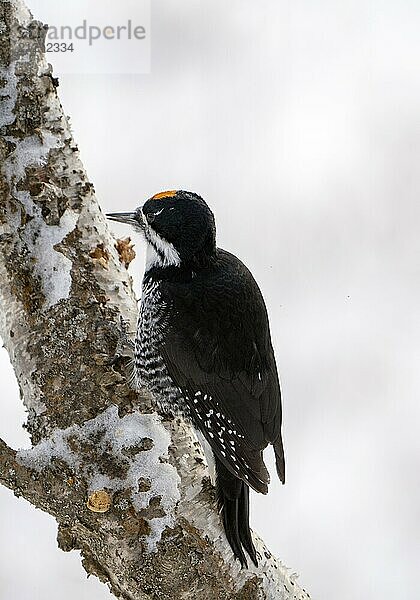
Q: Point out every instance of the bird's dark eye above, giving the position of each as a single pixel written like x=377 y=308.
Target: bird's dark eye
x=152 y=216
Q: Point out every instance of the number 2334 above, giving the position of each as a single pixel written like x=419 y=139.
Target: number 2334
x=56 y=47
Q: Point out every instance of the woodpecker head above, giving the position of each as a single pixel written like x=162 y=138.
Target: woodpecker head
x=178 y=226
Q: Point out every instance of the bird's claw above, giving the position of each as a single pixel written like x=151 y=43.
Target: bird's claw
x=125 y=345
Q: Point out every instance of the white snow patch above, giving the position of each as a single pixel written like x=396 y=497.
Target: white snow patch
x=118 y=434
x=53 y=268
x=29 y=152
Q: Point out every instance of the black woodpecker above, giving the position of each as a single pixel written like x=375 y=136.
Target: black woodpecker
x=203 y=348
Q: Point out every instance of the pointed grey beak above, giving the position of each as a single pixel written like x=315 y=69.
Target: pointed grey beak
x=128 y=218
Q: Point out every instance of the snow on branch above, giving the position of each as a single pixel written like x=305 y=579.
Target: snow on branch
x=137 y=451
x=127 y=487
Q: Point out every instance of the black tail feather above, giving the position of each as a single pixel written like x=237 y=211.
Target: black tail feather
x=233 y=501
x=229 y=513
x=243 y=524
x=280 y=464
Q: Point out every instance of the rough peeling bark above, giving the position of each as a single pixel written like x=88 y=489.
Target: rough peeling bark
x=63 y=287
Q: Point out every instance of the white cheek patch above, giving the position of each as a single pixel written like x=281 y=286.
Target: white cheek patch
x=160 y=253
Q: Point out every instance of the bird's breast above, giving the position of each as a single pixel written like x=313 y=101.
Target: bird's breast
x=151 y=370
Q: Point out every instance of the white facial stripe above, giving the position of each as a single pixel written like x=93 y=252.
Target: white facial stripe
x=152 y=257
x=143 y=218
x=160 y=253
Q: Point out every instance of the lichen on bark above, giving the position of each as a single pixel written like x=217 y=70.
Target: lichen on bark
x=63 y=287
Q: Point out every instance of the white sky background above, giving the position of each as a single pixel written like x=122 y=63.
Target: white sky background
x=299 y=124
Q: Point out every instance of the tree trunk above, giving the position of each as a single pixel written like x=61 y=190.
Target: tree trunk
x=127 y=487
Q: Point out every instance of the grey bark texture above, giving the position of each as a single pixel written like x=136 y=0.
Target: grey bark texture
x=128 y=487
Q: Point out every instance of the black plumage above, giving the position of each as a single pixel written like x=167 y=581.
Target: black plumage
x=211 y=357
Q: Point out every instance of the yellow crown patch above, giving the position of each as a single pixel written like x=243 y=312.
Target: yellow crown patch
x=162 y=195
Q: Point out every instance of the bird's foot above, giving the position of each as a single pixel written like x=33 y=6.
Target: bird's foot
x=125 y=345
